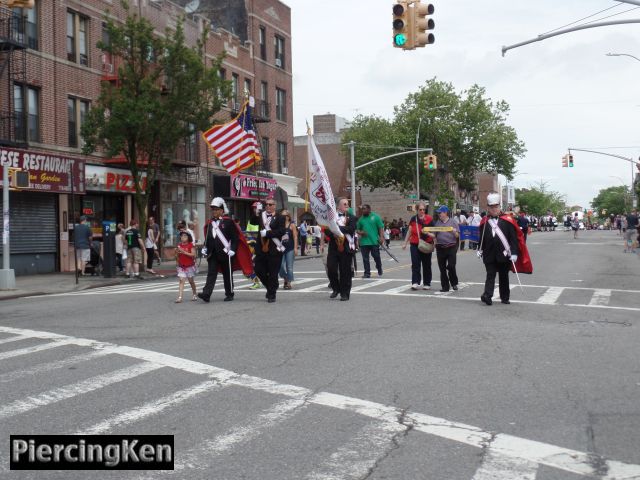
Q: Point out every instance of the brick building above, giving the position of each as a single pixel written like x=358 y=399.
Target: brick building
x=50 y=73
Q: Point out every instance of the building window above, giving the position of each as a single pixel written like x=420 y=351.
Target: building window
x=27 y=26
x=235 y=101
x=77 y=42
x=281 y=105
x=279 y=43
x=263 y=108
x=283 y=166
x=262 y=39
x=77 y=114
x=26 y=107
x=247 y=88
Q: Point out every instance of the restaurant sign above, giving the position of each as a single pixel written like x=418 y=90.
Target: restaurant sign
x=113 y=180
x=251 y=187
x=47 y=172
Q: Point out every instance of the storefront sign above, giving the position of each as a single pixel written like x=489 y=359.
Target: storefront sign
x=106 y=179
x=47 y=172
x=253 y=188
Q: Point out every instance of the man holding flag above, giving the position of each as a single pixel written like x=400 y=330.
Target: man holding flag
x=339 y=226
x=501 y=248
x=341 y=251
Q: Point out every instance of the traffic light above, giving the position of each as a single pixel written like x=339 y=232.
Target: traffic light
x=422 y=24
x=430 y=163
x=401 y=26
x=565 y=162
x=570 y=158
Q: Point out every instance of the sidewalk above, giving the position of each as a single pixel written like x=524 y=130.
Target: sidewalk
x=50 y=283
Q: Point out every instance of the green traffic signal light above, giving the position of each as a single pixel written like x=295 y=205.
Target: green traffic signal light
x=430 y=164
x=400 y=39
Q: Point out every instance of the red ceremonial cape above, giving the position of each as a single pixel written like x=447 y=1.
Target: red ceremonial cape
x=242 y=260
x=523 y=264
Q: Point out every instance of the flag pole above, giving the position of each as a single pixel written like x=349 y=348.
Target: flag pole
x=306 y=193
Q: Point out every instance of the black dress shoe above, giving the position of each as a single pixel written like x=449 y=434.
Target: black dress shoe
x=455 y=287
x=202 y=296
x=443 y=290
x=228 y=298
x=271 y=300
x=334 y=295
x=486 y=299
x=344 y=298
x=506 y=301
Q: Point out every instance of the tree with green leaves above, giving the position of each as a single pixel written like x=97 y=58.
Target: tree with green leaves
x=614 y=200
x=538 y=200
x=467 y=131
x=165 y=93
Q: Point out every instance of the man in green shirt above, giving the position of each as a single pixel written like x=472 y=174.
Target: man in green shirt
x=371 y=234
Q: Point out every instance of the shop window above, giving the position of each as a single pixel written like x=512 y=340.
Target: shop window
x=181 y=202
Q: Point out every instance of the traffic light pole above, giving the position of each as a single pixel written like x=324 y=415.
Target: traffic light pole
x=7 y=275
x=352 y=147
x=628 y=159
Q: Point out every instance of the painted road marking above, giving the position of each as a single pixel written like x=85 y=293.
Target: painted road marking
x=151 y=408
x=29 y=350
x=502 y=445
x=497 y=467
x=358 y=456
x=600 y=297
x=49 y=366
x=369 y=285
x=72 y=390
x=16 y=338
x=551 y=296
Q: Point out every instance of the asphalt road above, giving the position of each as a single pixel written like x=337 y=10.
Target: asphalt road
x=394 y=384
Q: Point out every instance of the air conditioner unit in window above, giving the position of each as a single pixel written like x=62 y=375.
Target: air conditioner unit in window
x=285 y=171
x=278 y=62
x=107 y=67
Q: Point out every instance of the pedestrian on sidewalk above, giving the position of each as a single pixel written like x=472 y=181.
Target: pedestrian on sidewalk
x=186 y=265
x=150 y=244
x=82 y=236
x=447 y=249
x=370 y=231
x=290 y=242
x=420 y=259
x=120 y=248
x=134 y=249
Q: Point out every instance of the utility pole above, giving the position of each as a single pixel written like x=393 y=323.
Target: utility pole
x=7 y=275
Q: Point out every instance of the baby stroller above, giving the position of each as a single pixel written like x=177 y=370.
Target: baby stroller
x=94 y=266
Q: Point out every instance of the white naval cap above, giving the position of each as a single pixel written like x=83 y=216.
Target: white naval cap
x=220 y=203
x=493 y=199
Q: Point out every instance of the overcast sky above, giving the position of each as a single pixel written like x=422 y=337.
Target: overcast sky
x=564 y=92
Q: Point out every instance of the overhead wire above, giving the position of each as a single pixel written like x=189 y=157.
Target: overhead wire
x=580 y=20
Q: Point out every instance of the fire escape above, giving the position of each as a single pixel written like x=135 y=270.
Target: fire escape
x=13 y=70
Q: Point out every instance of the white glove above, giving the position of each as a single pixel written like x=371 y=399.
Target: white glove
x=203 y=252
x=479 y=253
x=231 y=253
x=514 y=258
x=263 y=232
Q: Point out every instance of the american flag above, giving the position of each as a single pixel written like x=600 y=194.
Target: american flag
x=235 y=143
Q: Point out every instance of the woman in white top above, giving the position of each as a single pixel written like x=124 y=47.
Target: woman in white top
x=120 y=248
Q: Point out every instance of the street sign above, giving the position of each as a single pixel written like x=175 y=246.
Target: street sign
x=412 y=196
x=348 y=188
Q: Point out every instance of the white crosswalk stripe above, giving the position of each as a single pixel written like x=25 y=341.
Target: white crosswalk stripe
x=505 y=457
x=551 y=296
x=600 y=297
x=72 y=390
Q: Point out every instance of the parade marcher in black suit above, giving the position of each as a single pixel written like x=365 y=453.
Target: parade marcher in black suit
x=269 y=248
x=341 y=251
x=498 y=249
x=221 y=243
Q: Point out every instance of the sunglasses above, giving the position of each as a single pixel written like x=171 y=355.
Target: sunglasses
x=421 y=209
x=269 y=204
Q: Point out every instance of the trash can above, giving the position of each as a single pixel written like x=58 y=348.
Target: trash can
x=109 y=249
